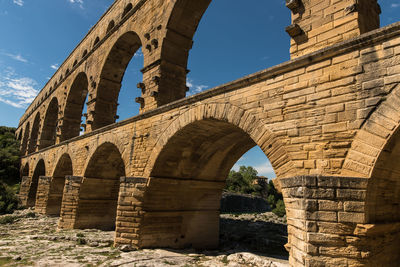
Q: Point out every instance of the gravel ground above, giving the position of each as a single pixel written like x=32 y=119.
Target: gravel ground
x=32 y=240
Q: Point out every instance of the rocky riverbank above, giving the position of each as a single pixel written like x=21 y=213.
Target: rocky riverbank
x=28 y=239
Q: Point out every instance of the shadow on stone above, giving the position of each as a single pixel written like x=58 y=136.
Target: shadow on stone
x=256 y=236
x=234 y=202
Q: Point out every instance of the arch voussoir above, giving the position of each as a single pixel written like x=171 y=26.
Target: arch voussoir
x=374 y=135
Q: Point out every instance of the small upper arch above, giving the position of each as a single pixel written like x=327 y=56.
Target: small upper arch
x=33 y=141
x=73 y=107
x=49 y=128
x=96 y=41
x=127 y=8
x=84 y=53
x=25 y=139
x=110 y=26
x=111 y=76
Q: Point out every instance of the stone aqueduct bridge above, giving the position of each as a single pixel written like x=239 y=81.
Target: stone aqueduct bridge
x=328 y=120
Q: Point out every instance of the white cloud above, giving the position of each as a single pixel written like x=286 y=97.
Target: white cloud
x=194 y=88
x=79 y=2
x=395 y=5
x=138 y=53
x=15 y=90
x=17 y=57
x=54 y=66
x=18 y=2
x=264 y=169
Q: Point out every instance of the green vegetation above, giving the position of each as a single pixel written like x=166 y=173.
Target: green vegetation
x=30 y=215
x=9 y=156
x=275 y=200
x=80 y=235
x=9 y=170
x=244 y=182
x=8 y=199
x=7 y=219
x=225 y=260
x=6 y=260
x=81 y=241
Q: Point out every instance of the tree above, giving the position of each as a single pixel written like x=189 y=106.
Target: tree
x=9 y=170
x=9 y=156
x=242 y=181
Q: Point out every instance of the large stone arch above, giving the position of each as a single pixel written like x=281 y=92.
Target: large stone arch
x=49 y=129
x=180 y=23
x=62 y=169
x=188 y=169
x=112 y=73
x=375 y=134
x=40 y=170
x=33 y=140
x=72 y=114
x=183 y=20
x=244 y=120
x=25 y=139
x=375 y=155
x=98 y=208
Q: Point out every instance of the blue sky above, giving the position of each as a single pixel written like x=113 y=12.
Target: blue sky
x=232 y=40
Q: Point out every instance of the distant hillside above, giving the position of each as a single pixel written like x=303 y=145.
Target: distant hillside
x=9 y=156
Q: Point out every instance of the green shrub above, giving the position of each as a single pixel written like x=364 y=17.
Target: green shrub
x=275 y=200
x=81 y=241
x=7 y=219
x=279 y=210
x=8 y=199
x=30 y=215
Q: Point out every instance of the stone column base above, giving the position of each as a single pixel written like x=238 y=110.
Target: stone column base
x=42 y=195
x=323 y=214
x=130 y=211
x=24 y=190
x=69 y=205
